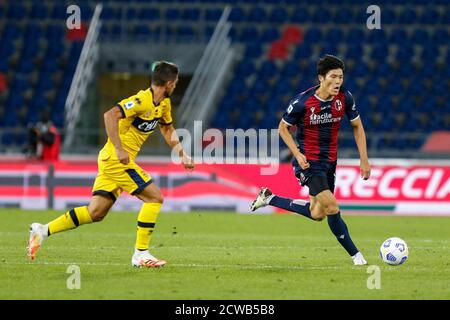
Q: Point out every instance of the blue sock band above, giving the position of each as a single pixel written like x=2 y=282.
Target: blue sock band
x=288 y=204
x=340 y=230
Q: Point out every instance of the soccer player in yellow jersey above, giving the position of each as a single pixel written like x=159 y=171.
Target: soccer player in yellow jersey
x=128 y=125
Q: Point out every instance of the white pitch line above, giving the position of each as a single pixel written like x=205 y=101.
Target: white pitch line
x=229 y=266
x=189 y=265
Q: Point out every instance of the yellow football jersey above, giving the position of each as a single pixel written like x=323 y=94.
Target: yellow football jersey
x=140 y=118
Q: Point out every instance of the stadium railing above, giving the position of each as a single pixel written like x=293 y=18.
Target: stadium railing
x=198 y=101
x=83 y=76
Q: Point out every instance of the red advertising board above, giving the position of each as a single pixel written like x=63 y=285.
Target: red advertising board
x=399 y=186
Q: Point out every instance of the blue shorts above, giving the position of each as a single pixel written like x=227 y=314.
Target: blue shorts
x=320 y=176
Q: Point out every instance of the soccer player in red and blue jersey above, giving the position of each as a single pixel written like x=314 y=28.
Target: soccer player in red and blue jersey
x=318 y=113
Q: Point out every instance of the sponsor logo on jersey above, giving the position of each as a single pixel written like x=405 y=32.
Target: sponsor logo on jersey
x=323 y=118
x=145 y=126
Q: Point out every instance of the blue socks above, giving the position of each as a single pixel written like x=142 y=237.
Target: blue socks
x=335 y=222
x=340 y=230
x=291 y=205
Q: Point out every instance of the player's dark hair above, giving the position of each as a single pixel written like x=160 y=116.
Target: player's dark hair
x=163 y=71
x=329 y=62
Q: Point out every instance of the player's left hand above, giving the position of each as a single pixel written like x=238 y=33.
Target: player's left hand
x=365 y=169
x=188 y=163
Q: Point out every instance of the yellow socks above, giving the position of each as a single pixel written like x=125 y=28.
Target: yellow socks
x=146 y=224
x=70 y=220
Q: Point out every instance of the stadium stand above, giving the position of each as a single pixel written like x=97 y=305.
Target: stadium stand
x=388 y=70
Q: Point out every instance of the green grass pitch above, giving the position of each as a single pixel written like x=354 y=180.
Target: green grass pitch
x=223 y=256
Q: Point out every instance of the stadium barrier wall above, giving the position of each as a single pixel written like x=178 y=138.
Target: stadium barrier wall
x=402 y=187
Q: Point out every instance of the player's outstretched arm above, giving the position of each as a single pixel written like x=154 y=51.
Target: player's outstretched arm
x=283 y=129
x=171 y=137
x=112 y=117
x=360 y=138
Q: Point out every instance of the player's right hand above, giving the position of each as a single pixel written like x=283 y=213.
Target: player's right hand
x=303 y=163
x=188 y=163
x=123 y=156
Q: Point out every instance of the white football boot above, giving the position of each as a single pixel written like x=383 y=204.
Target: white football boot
x=263 y=199
x=38 y=233
x=146 y=260
x=358 y=259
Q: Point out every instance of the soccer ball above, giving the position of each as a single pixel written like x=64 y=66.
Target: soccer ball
x=394 y=251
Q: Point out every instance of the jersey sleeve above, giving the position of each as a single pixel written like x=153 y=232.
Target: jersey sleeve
x=133 y=106
x=351 y=110
x=166 y=118
x=293 y=112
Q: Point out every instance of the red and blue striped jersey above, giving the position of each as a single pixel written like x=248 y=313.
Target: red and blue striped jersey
x=318 y=122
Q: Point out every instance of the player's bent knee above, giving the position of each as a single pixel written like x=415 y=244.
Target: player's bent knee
x=318 y=215
x=97 y=215
x=331 y=209
x=156 y=198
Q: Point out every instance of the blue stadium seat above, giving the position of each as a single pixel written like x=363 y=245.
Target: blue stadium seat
x=343 y=15
x=268 y=70
x=38 y=11
x=191 y=14
x=440 y=36
x=321 y=15
x=109 y=13
x=4 y=65
x=7 y=138
x=131 y=13
x=329 y=48
x=420 y=36
x=360 y=70
x=59 y=12
x=388 y=16
x=379 y=52
x=313 y=35
x=237 y=14
x=249 y=34
x=408 y=16
x=150 y=14
x=398 y=35
x=355 y=35
x=303 y=51
x=213 y=14
x=253 y=50
x=16 y=11
x=26 y=66
x=245 y=68
x=335 y=35
x=11 y=31
x=185 y=32
x=394 y=87
x=278 y=15
x=33 y=32
x=300 y=15
x=354 y=51
x=377 y=37
x=404 y=53
x=257 y=14
x=270 y=34
x=290 y=69
x=55 y=32
x=429 y=16
x=141 y=30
